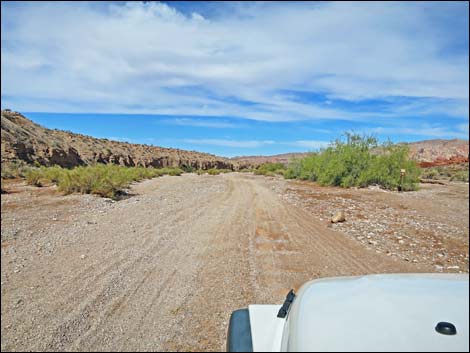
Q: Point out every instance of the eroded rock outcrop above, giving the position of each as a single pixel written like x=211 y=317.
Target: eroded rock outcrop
x=27 y=141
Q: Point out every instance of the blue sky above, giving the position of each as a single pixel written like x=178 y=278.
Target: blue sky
x=234 y=78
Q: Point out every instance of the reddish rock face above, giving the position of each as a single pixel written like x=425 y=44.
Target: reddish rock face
x=441 y=152
x=24 y=140
x=443 y=161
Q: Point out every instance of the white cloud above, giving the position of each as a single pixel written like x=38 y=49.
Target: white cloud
x=151 y=58
x=200 y=123
x=229 y=143
x=306 y=144
x=309 y=144
x=432 y=131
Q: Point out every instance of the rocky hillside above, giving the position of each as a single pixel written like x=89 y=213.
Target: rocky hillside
x=427 y=153
x=247 y=161
x=24 y=140
x=439 y=152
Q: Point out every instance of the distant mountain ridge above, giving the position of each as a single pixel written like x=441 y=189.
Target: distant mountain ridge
x=284 y=158
x=426 y=153
x=439 y=151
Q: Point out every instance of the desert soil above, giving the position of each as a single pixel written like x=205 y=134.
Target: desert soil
x=164 y=268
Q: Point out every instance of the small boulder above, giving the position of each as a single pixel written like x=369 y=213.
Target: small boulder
x=338 y=217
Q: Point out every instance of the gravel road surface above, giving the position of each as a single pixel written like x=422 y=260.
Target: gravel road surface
x=163 y=269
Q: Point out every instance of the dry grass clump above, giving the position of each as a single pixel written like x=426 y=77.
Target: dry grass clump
x=106 y=180
x=12 y=170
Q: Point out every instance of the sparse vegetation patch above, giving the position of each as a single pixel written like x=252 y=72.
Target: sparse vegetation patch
x=15 y=169
x=105 y=180
x=270 y=169
x=214 y=171
x=453 y=172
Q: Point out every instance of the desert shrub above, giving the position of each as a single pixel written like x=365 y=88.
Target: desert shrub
x=86 y=179
x=215 y=171
x=293 y=169
x=15 y=169
x=107 y=180
x=44 y=175
x=104 y=180
x=170 y=171
x=430 y=173
x=175 y=172
x=188 y=168
x=356 y=163
x=35 y=176
x=53 y=174
x=342 y=163
x=461 y=175
x=270 y=169
x=290 y=174
x=384 y=170
x=280 y=172
x=310 y=167
x=447 y=172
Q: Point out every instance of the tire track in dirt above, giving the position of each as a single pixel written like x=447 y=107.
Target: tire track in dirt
x=292 y=248
x=75 y=321
x=164 y=270
x=149 y=270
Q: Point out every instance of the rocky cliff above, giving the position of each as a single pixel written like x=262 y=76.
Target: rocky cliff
x=439 y=152
x=22 y=139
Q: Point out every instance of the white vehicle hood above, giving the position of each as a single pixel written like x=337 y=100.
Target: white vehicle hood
x=370 y=313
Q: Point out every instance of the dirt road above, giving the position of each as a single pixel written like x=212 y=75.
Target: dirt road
x=161 y=270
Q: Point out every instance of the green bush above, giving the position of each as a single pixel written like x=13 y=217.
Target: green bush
x=36 y=177
x=175 y=172
x=461 y=175
x=33 y=176
x=270 y=169
x=214 y=171
x=430 y=173
x=294 y=168
x=105 y=180
x=358 y=162
x=447 y=172
x=188 y=168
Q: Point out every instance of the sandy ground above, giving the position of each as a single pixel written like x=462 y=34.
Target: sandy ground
x=163 y=269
